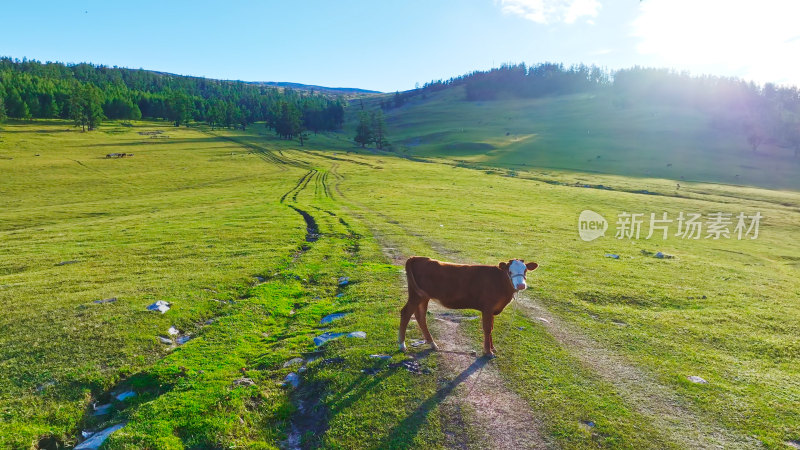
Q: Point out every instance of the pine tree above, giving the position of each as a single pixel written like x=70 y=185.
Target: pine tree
x=364 y=130
x=216 y=114
x=17 y=108
x=379 y=129
x=94 y=108
x=85 y=107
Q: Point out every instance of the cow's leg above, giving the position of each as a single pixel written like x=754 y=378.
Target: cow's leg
x=422 y=310
x=488 y=324
x=405 y=316
x=491 y=337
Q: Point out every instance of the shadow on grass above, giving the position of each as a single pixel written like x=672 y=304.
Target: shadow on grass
x=366 y=383
x=403 y=433
x=357 y=389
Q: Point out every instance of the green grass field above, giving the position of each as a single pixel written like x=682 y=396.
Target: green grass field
x=211 y=222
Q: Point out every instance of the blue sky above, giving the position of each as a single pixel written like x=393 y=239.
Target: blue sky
x=389 y=46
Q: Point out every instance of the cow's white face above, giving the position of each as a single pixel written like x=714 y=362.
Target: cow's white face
x=517 y=271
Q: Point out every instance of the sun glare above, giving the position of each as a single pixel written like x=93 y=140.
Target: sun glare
x=756 y=40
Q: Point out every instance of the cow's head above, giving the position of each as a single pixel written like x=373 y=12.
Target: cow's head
x=517 y=270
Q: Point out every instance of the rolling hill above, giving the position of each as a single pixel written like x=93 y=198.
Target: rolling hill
x=586 y=133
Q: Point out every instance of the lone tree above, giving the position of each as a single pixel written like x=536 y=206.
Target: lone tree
x=755 y=134
x=85 y=106
x=364 y=130
x=378 y=129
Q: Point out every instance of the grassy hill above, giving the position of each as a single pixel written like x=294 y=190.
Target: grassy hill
x=587 y=133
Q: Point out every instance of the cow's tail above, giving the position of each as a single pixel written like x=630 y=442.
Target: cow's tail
x=413 y=287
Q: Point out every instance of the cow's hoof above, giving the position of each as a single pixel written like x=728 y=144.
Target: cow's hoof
x=403 y=347
x=434 y=346
x=489 y=355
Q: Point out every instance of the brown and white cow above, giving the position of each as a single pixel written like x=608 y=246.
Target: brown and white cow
x=487 y=289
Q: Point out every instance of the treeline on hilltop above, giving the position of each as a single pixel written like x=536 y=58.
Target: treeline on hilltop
x=765 y=114
x=88 y=94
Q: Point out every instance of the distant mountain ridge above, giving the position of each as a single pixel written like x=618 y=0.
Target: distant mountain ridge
x=282 y=84
x=310 y=87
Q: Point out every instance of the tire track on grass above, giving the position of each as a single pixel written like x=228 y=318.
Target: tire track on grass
x=311 y=415
x=296 y=186
x=313 y=175
x=436 y=246
x=320 y=154
x=263 y=153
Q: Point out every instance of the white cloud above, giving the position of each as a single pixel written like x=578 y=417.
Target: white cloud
x=755 y=40
x=551 y=11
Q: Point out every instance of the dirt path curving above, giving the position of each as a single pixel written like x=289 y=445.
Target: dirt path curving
x=659 y=402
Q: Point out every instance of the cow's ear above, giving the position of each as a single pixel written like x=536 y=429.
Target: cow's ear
x=503 y=266
x=531 y=266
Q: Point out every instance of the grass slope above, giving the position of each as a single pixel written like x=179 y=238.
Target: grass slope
x=586 y=133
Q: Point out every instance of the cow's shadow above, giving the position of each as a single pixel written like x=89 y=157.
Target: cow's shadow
x=403 y=433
